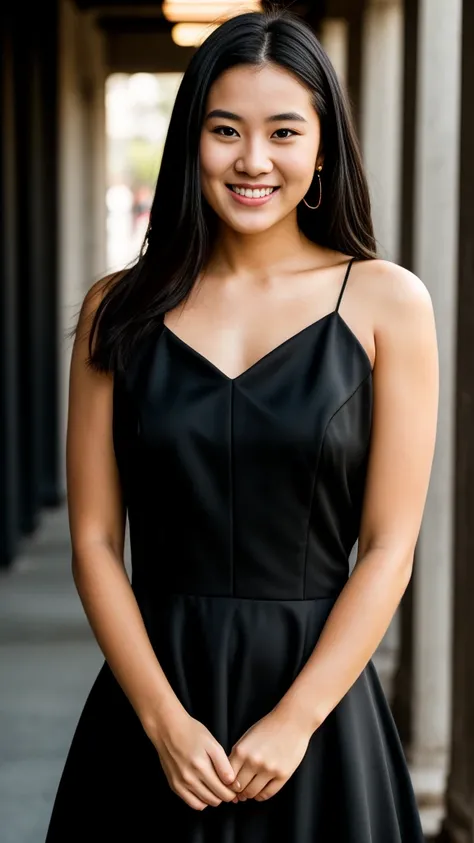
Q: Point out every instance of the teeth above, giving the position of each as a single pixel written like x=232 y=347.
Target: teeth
x=252 y=194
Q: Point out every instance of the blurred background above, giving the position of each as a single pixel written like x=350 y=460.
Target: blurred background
x=86 y=92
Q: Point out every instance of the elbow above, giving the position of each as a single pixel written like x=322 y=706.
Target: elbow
x=402 y=567
x=407 y=569
x=399 y=561
x=86 y=555
x=78 y=566
x=81 y=556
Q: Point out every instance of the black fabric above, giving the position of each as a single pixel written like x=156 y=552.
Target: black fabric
x=244 y=498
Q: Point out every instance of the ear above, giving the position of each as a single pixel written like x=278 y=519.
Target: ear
x=320 y=155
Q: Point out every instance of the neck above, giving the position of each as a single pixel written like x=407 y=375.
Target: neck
x=259 y=254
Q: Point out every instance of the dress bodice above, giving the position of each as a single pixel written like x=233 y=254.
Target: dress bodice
x=249 y=486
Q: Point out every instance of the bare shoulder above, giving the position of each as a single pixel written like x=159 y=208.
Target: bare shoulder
x=403 y=319
x=396 y=293
x=98 y=290
x=91 y=301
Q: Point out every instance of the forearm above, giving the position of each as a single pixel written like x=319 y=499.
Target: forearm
x=112 y=611
x=356 y=625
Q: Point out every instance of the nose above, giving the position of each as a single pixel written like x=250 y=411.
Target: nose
x=254 y=159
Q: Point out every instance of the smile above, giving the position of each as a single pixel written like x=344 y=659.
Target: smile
x=248 y=196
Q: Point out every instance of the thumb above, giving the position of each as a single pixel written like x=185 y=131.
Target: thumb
x=221 y=763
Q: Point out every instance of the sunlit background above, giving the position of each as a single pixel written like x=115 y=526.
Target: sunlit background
x=138 y=109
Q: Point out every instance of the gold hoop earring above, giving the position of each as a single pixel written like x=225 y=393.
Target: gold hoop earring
x=313 y=207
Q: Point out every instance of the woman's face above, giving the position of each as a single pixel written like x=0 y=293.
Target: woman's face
x=252 y=146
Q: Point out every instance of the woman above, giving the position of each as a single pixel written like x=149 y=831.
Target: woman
x=261 y=392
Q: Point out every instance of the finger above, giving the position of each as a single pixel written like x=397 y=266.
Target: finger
x=210 y=778
x=246 y=776
x=269 y=790
x=244 y=771
x=221 y=763
x=236 y=786
x=237 y=762
x=192 y=800
x=257 y=784
x=204 y=793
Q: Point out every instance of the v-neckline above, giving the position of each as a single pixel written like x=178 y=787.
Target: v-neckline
x=267 y=354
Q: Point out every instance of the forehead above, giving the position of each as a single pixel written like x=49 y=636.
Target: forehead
x=252 y=91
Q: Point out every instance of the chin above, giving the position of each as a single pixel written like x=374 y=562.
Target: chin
x=251 y=228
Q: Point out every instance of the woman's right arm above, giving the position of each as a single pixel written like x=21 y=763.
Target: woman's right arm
x=195 y=764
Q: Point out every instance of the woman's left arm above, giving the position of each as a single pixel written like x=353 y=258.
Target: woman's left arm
x=401 y=454
x=402 y=446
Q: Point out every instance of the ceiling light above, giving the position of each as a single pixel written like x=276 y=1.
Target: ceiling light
x=194 y=11
x=191 y=34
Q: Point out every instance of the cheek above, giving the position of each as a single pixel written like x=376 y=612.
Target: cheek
x=298 y=160
x=297 y=165
x=212 y=168
x=301 y=158
x=215 y=159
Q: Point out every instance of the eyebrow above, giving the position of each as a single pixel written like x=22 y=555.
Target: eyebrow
x=274 y=118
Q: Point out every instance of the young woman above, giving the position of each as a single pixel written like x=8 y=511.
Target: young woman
x=258 y=392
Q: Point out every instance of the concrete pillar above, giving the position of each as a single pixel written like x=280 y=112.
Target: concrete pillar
x=381 y=136
x=334 y=36
x=459 y=823
x=435 y=261
x=93 y=87
x=81 y=178
x=403 y=681
x=381 y=113
x=9 y=305
x=354 y=65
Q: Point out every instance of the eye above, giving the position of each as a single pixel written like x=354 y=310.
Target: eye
x=286 y=130
x=219 y=129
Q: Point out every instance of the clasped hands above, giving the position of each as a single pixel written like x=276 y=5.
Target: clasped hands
x=263 y=759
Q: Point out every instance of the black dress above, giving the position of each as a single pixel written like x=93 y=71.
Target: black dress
x=244 y=498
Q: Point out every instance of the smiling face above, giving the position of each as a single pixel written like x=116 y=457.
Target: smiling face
x=260 y=130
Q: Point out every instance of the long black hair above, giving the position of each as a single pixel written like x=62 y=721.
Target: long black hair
x=182 y=227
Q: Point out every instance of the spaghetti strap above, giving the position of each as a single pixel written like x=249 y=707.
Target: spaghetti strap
x=349 y=265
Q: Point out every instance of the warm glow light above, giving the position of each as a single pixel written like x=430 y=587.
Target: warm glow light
x=191 y=34
x=196 y=12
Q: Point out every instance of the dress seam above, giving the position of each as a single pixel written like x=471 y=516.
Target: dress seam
x=315 y=475
x=231 y=488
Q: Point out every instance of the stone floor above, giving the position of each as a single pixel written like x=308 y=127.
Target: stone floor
x=48 y=661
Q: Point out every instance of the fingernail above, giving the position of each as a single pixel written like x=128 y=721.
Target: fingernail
x=237 y=784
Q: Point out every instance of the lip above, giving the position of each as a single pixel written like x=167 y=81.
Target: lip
x=259 y=200
x=247 y=184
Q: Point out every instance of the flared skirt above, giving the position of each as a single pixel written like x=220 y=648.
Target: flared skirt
x=230 y=661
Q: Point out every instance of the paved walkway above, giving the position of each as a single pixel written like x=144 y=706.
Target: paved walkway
x=48 y=660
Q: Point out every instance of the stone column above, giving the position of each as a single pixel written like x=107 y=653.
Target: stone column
x=403 y=681
x=381 y=113
x=354 y=65
x=459 y=823
x=381 y=136
x=334 y=35
x=9 y=304
x=435 y=251
x=81 y=233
